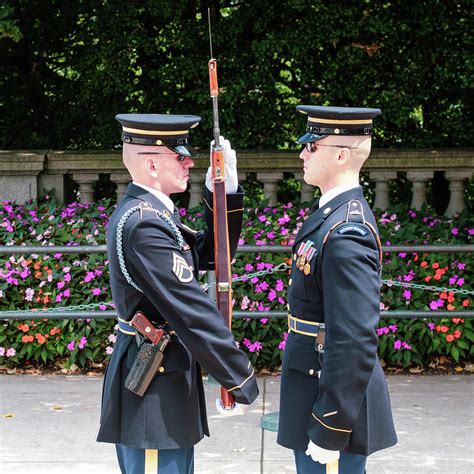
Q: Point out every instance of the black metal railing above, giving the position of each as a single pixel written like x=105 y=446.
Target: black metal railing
x=110 y=314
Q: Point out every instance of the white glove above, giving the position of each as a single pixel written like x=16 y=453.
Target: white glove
x=230 y=161
x=239 y=409
x=321 y=455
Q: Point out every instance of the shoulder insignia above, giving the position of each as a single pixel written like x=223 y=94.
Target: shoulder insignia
x=351 y=228
x=181 y=269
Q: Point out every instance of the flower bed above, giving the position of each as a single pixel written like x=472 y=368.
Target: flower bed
x=56 y=280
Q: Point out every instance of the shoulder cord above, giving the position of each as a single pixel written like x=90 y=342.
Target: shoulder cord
x=119 y=242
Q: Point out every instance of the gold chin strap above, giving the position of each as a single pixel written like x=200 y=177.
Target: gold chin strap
x=332 y=467
x=151 y=461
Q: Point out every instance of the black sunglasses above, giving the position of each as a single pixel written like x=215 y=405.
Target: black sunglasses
x=313 y=146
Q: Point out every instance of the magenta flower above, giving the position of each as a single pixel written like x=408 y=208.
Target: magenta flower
x=67 y=277
x=397 y=345
x=455 y=231
x=461 y=282
x=82 y=342
x=262 y=218
x=272 y=295
x=96 y=291
x=453 y=279
x=241 y=242
x=61 y=285
x=406 y=346
x=407 y=294
x=248 y=267
x=461 y=266
x=59 y=298
x=264 y=320
x=284 y=220
x=67 y=293
x=71 y=345
x=434 y=305
x=89 y=277
x=431 y=326
x=279 y=286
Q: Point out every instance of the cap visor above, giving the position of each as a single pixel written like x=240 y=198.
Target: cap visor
x=309 y=137
x=185 y=150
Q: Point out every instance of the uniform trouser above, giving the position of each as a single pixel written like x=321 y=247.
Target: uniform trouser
x=155 y=461
x=348 y=464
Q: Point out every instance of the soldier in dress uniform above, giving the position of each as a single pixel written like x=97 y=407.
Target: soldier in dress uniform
x=154 y=261
x=334 y=404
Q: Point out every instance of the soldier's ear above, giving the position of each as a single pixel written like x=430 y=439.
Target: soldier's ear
x=151 y=167
x=344 y=155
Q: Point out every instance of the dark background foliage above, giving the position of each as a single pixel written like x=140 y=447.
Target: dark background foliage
x=66 y=68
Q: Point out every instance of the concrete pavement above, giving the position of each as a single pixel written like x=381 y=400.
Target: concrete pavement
x=48 y=424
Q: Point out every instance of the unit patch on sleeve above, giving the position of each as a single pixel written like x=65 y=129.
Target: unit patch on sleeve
x=181 y=269
x=353 y=229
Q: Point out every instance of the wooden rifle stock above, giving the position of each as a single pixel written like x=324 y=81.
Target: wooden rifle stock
x=221 y=231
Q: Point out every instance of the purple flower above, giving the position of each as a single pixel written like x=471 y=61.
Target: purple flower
x=406 y=346
x=11 y=352
x=89 y=277
x=279 y=286
x=82 y=342
x=397 y=345
x=260 y=266
x=60 y=285
x=241 y=242
x=264 y=320
x=67 y=277
x=262 y=218
x=67 y=293
x=71 y=345
x=284 y=220
x=96 y=291
x=407 y=294
x=393 y=327
x=434 y=305
x=272 y=295
x=455 y=231
x=453 y=279
x=461 y=282
x=248 y=267
x=271 y=235
x=461 y=266
x=402 y=254
x=260 y=242
x=431 y=326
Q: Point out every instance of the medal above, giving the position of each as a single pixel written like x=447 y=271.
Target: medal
x=307 y=269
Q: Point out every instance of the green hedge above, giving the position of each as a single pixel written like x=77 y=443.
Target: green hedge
x=48 y=281
x=67 y=69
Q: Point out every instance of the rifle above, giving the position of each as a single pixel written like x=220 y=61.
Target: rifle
x=221 y=232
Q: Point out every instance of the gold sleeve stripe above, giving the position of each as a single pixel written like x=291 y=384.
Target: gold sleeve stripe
x=154 y=132
x=330 y=427
x=244 y=382
x=340 y=122
x=151 y=461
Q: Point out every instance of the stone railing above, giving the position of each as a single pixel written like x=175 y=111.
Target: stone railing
x=23 y=174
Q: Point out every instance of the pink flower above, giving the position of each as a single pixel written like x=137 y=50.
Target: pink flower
x=245 y=303
x=407 y=294
x=2 y=351
x=29 y=293
x=279 y=286
x=109 y=350
x=461 y=266
x=89 y=277
x=71 y=345
x=262 y=218
x=272 y=295
x=82 y=342
x=11 y=352
x=264 y=320
x=67 y=293
x=67 y=277
x=61 y=285
x=406 y=346
x=96 y=291
x=431 y=326
x=434 y=305
x=455 y=231
x=248 y=267
x=112 y=338
x=461 y=282
x=397 y=345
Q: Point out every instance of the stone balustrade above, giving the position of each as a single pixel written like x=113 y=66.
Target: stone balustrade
x=23 y=174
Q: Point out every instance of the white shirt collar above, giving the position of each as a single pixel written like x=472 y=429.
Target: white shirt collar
x=332 y=193
x=161 y=196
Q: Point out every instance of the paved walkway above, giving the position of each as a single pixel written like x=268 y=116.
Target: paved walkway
x=48 y=425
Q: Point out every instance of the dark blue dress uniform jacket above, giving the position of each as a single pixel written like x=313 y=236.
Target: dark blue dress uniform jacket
x=348 y=407
x=172 y=413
